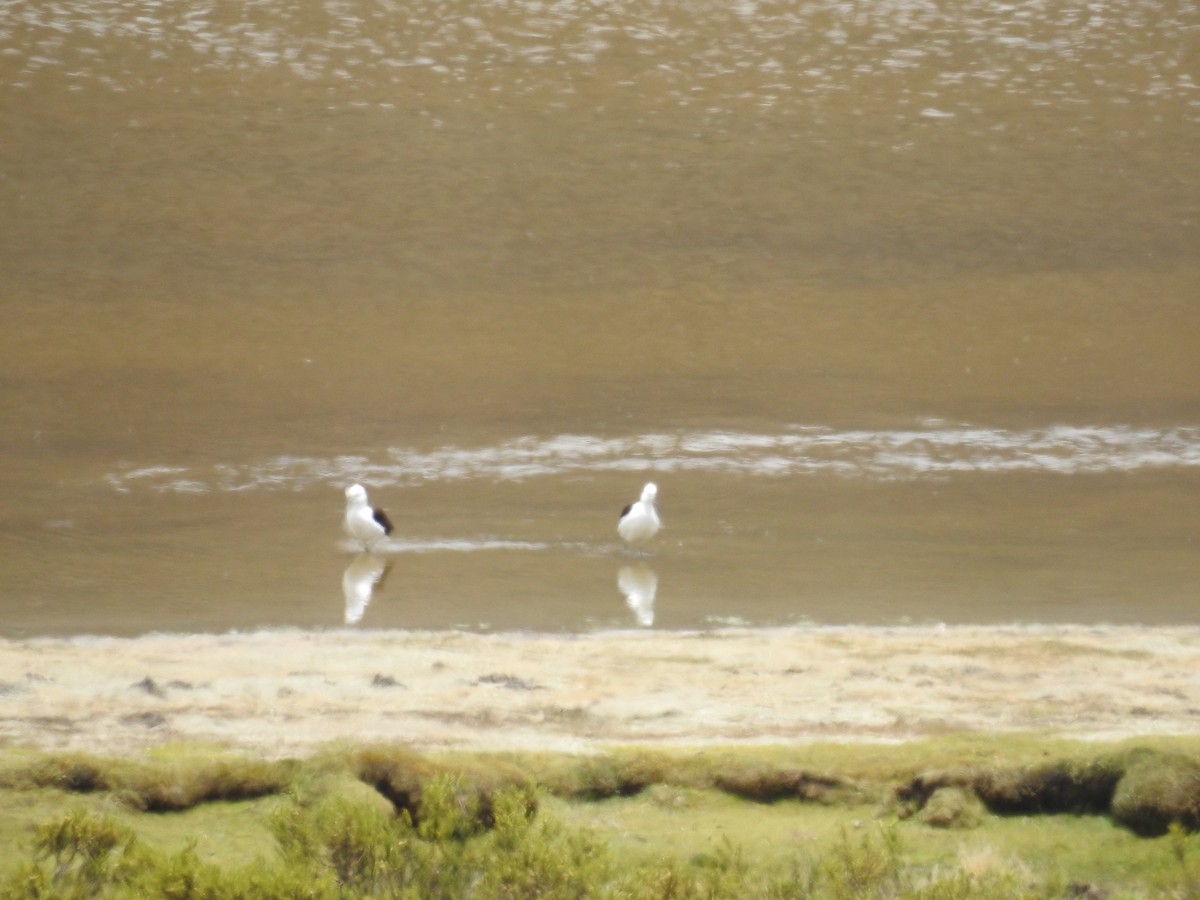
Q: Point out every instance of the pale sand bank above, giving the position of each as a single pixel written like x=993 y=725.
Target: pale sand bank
x=287 y=692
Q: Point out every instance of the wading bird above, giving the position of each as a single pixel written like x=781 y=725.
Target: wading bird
x=639 y=521
x=362 y=521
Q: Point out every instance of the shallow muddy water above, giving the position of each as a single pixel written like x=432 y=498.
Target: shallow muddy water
x=896 y=302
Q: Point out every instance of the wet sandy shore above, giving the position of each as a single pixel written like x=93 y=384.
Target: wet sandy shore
x=287 y=692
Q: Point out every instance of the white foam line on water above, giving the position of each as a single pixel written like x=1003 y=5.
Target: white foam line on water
x=885 y=455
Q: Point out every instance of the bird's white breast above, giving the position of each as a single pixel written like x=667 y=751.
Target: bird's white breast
x=639 y=524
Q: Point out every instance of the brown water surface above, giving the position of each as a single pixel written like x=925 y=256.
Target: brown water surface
x=898 y=303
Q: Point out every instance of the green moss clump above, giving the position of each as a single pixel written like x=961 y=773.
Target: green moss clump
x=1158 y=790
x=613 y=775
x=156 y=784
x=174 y=785
x=953 y=807
x=767 y=784
x=1143 y=789
x=73 y=772
x=1083 y=787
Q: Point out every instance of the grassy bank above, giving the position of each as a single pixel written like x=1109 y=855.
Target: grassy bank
x=953 y=817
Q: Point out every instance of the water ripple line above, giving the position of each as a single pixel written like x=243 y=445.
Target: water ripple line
x=936 y=451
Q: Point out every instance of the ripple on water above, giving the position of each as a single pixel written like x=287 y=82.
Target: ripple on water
x=709 y=55
x=885 y=455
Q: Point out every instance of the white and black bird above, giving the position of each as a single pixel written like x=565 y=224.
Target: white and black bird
x=639 y=520
x=364 y=522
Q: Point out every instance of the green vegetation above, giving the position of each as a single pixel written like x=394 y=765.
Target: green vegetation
x=949 y=818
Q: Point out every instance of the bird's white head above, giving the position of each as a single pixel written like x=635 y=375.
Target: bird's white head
x=356 y=493
x=649 y=492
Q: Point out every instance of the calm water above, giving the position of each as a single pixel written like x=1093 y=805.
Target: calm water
x=898 y=303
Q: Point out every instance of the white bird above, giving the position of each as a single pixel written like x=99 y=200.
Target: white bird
x=362 y=521
x=639 y=521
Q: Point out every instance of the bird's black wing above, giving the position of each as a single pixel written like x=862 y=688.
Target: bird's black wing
x=382 y=518
x=625 y=512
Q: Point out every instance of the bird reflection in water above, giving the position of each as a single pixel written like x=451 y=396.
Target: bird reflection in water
x=365 y=573
x=639 y=584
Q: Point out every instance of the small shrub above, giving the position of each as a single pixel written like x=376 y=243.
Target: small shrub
x=449 y=810
x=86 y=853
x=350 y=842
x=402 y=777
x=183 y=876
x=357 y=849
x=524 y=858
x=867 y=867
